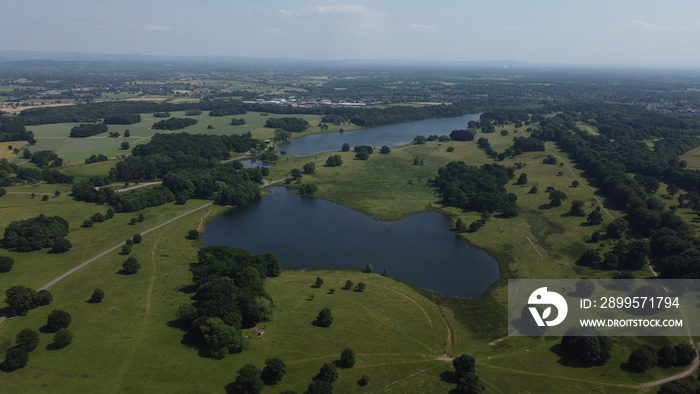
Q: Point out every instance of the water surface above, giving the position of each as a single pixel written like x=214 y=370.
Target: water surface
x=307 y=232
x=390 y=135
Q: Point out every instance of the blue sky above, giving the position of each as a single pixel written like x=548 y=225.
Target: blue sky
x=638 y=32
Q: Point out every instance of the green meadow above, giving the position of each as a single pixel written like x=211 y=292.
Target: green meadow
x=404 y=337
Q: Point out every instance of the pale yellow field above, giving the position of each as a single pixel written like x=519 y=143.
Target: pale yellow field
x=9 y=154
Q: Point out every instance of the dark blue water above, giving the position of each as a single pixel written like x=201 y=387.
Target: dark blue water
x=391 y=135
x=252 y=163
x=307 y=232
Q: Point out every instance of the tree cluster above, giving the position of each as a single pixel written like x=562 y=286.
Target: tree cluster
x=123 y=119
x=646 y=356
x=290 y=124
x=87 y=130
x=174 y=123
x=36 y=233
x=229 y=295
x=462 y=135
x=476 y=188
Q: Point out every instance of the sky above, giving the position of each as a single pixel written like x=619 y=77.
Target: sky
x=624 y=32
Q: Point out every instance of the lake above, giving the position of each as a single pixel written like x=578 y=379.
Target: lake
x=252 y=163
x=390 y=135
x=308 y=232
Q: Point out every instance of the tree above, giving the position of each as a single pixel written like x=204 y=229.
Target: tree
x=6 y=263
x=126 y=249
x=221 y=338
x=62 y=338
x=595 y=217
x=556 y=197
x=57 y=319
x=590 y=258
x=61 y=245
x=308 y=189
x=97 y=296
x=274 y=371
x=419 y=140
x=347 y=358
x=368 y=269
x=617 y=228
x=465 y=371
x=364 y=380
x=577 y=208
x=20 y=299
x=685 y=354
x=27 y=340
x=643 y=358
x=522 y=179
x=385 y=150
x=43 y=297
x=45 y=197
x=324 y=318
x=193 y=234
x=362 y=155
x=15 y=358
x=574 y=183
x=589 y=349
x=319 y=282
x=131 y=265
x=345 y=147
x=309 y=168
x=360 y=287
x=282 y=135
x=137 y=238
x=319 y=387
x=334 y=161
x=666 y=356
x=247 y=381
x=295 y=174
x=327 y=373
x=460 y=226
x=348 y=285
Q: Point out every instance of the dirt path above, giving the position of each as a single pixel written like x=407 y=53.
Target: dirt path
x=681 y=375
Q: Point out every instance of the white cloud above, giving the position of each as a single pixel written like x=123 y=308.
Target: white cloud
x=156 y=28
x=421 y=27
x=349 y=10
x=509 y=28
x=638 y=24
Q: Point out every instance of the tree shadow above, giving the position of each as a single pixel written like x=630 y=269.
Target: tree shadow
x=565 y=359
x=627 y=367
x=544 y=207
x=54 y=346
x=46 y=330
x=449 y=377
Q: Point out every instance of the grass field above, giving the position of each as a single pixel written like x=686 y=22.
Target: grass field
x=401 y=337
x=54 y=137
